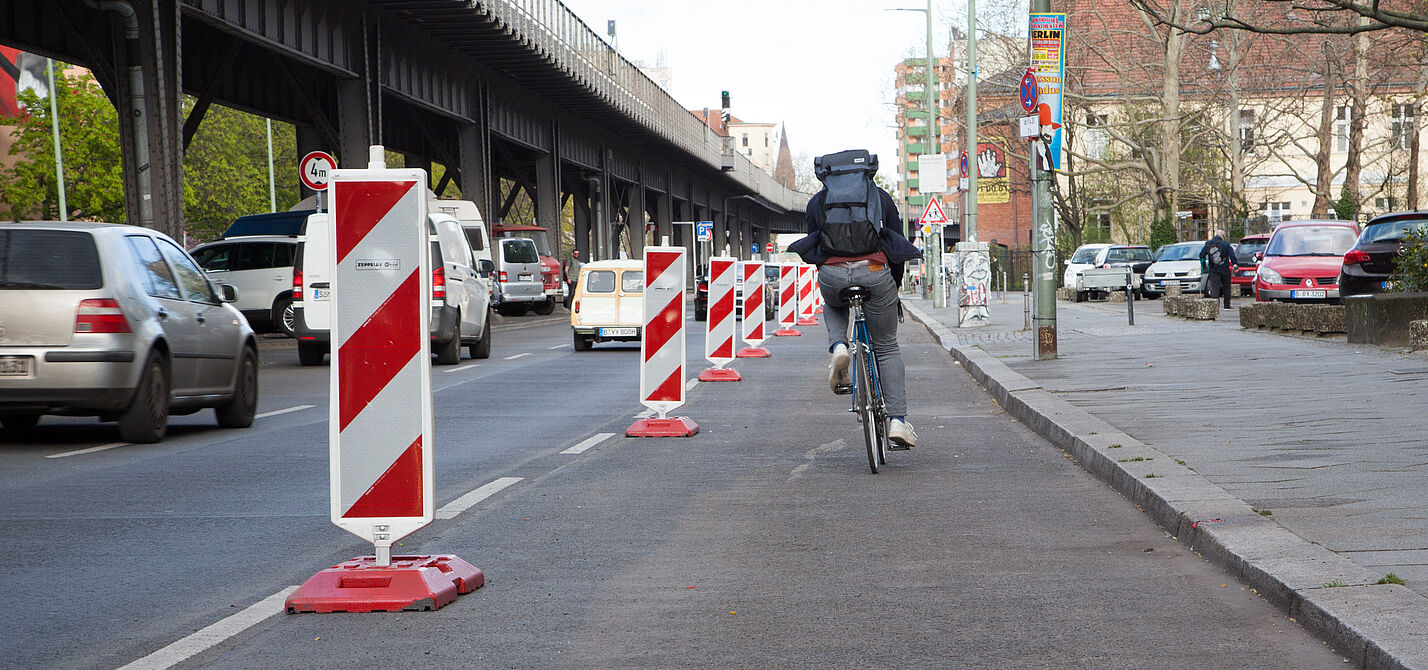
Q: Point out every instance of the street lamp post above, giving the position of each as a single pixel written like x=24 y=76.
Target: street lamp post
x=931 y=248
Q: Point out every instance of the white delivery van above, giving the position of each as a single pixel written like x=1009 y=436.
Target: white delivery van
x=518 y=285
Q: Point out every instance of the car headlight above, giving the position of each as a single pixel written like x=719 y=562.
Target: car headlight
x=1269 y=276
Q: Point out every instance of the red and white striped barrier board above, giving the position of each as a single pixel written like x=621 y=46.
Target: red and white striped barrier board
x=662 y=346
x=787 y=301
x=817 y=294
x=380 y=417
x=719 y=338
x=753 y=311
x=806 y=289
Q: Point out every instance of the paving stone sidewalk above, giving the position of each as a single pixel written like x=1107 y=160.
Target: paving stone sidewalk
x=1327 y=440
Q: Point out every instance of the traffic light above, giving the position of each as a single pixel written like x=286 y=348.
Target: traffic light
x=724 y=102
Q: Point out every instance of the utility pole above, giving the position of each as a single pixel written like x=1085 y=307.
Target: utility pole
x=55 y=130
x=1044 y=346
x=931 y=246
x=974 y=265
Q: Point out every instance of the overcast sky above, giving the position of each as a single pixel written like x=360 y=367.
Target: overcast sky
x=822 y=67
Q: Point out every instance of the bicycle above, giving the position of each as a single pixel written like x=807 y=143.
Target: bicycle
x=865 y=388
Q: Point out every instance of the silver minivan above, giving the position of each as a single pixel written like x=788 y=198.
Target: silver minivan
x=118 y=322
x=518 y=280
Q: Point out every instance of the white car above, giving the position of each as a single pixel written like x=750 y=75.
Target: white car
x=261 y=268
x=1179 y=263
x=1136 y=256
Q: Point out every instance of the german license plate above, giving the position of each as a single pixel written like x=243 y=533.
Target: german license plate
x=1308 y=294
x=322 y=294
x=526 y=277
x=15 y=366
x=617 y=332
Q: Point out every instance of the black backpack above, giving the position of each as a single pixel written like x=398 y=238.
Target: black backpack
x=1215 y=256
x=852 y=204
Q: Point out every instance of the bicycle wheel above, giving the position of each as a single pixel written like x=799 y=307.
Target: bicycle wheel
x=879 y=410
x=863 y=403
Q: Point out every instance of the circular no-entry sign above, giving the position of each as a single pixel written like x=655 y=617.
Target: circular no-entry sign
x=316 y=169
x=1028 y=91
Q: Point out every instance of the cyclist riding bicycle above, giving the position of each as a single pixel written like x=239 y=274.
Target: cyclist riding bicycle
x=857 y=202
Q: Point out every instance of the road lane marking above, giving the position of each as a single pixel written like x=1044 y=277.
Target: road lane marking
x=468 y=366
x=588 y=443
x=512 y=358
x=558 y=346
x=690 y=384
x=276 y=412
x=452 y=509
x=102 y=447
x=213 y=635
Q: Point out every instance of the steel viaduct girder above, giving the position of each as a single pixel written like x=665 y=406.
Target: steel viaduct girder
x=515 y=88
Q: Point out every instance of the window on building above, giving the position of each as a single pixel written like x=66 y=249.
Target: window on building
x=1103 y=223
x=746 y=139
x=1343 y=116
x=1246 y=130
x=1275 y=211
x=1098 y=139
x=1401 y=130
x=1385 y=204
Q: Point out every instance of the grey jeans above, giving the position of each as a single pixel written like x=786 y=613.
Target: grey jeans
x=880 y=311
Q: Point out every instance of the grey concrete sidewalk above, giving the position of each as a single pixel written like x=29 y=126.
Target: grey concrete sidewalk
x=1301 y=465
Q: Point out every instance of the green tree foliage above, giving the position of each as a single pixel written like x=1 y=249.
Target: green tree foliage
x=1410 y=268
x=1345 y=208
x=1162 y=232
x=225 y=167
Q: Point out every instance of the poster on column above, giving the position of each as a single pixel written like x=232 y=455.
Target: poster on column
x=993 y=186
x=1048 y=62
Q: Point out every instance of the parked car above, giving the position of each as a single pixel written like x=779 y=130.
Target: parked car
x=261 y=268
x=460 y=296
x=549 y=266
x=701 y=294
x=1137 y=257
x=1301 y=263
x=1178 y=263
x=609 y=303
x=118 y=322
x=518 y=285
x=1369 y=263
x=1246 y=253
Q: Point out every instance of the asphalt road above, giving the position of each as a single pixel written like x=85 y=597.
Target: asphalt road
x=761 y=542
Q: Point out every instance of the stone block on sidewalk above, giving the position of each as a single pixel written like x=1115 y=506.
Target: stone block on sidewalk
x=1203 y=309
x=1323 y=319
x=1172 y=290
x=1067 y=293
x=1252 y=315
x=1116 y=296
x=1170 y=304
x=1418 y=334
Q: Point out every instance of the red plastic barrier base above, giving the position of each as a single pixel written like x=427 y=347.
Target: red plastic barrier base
x=720 y=375
x=752 y=352
x=674 y=426
x=808 y=321
x=409 y=583
x=786 y=332
x=818 y=310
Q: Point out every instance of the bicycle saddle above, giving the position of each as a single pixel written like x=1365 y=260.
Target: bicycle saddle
x=853 y=293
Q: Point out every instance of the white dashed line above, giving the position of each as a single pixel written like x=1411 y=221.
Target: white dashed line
x=588 y=443
x=77 y=452
x=468 y=366
x=452 y=509
x=558 y=346
x=690 y=384
x=276 y=412
x=512 y=358
x=213 y=635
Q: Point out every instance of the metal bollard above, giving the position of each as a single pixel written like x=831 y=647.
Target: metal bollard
x=1130 y=295
x=1026 y=301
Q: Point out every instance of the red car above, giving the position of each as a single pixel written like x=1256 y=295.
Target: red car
x=1245 y=254
x=1301 y=263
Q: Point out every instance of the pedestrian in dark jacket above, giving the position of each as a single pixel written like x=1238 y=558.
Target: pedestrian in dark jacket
x=1217 y=256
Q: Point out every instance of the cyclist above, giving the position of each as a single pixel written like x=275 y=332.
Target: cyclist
x=881 y=273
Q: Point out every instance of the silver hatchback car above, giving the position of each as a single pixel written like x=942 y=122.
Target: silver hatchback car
x=118 y=322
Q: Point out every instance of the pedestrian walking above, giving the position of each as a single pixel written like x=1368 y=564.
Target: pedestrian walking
x=571 y=271
x=1217 y=258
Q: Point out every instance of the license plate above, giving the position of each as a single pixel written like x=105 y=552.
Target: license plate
x=322 y=294
x=1384 y=286
x=15 y=366
x=617 y=332
x=1308 y=294
x=525 y=277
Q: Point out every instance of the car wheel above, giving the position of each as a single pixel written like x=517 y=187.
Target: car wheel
x=450 y=353
x=238 y=412
x=147 y=418
x=583 y=342
x=482 y=349
x=311 y=353
x=546 y=307
x=1081 y=296
x=20 y=421
x=283 y=315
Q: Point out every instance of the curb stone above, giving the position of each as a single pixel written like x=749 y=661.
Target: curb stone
x=1374 y=626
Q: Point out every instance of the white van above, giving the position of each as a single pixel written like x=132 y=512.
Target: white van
x=460 y=300
x=518 y=272
x=609 y=303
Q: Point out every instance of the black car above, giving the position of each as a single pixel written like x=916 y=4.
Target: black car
x=1368 y=264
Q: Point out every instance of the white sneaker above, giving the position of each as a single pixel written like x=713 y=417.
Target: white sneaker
x=838 y=368
x=901 y=434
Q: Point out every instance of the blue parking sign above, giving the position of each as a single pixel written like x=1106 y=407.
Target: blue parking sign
x=704 y=231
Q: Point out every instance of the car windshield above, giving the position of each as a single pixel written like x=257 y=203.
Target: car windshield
x=519 y=251
x=1311 y=241
x=1085 y=255
x=1181 y=252
x=1246 y=251
x=48 y=259
x=536 y=236
x=1392 y=231
x=1128 y=255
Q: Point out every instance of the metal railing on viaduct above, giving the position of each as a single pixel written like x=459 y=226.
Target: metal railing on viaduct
x=510 y=96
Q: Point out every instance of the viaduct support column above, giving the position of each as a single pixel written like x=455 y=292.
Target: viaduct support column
x=359 y=103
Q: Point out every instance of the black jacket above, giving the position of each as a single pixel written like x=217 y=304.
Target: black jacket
x=893 y=243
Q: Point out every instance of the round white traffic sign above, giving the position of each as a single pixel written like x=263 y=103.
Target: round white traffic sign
x=316 y=169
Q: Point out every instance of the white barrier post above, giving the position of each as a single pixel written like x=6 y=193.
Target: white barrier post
x=787 y=301
x=380 y=416
x=753 y=315
x=806 y=289
x=817 y=294
x=719 y=337
x=662 y=346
